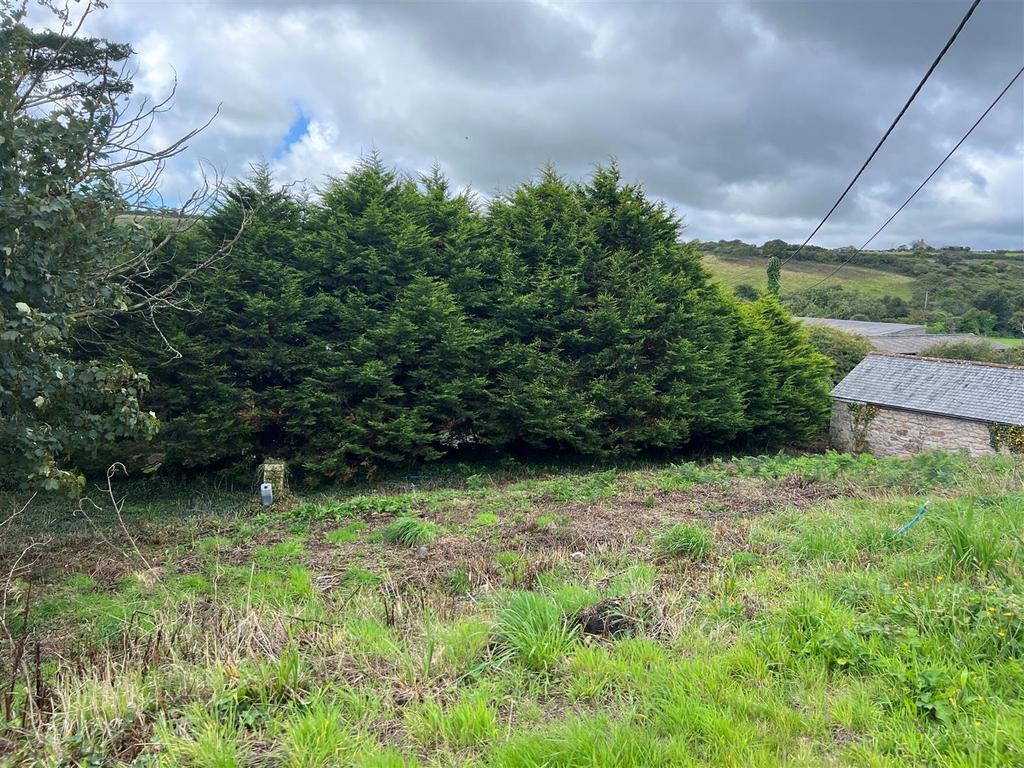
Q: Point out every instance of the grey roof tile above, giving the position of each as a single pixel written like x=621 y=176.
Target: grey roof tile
x=969 y=390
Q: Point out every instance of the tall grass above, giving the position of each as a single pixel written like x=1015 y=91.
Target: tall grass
x=410 y=531
x=533 y=631
x=469 y=721
x=317 y=736
x=972 y=544
x=685 y=540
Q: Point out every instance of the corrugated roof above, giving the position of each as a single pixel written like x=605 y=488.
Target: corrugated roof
x=865 y=328
x=912 y=345
x=969 y=390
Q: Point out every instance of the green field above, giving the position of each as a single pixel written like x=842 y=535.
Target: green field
x=761 y=611
x=1009 y=340
x=799 y=275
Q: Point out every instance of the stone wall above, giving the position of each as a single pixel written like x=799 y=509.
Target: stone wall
x=890 y=432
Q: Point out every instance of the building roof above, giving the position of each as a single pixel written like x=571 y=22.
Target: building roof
x=866 y=328
x=965 y=389
x=913 y=345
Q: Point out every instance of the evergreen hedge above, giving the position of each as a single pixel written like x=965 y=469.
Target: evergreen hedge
x=390 y=320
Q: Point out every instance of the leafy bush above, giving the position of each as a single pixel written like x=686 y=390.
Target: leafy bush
x=687 y=540
x=976 y=350
x=844 y=349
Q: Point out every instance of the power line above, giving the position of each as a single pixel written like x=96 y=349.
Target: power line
x=922 y=184
x=878 y=146
x=889 y=130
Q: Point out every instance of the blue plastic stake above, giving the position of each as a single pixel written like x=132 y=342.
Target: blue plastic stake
x=918 y=516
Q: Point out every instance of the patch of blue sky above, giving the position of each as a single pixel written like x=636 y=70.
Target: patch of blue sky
x=298 y=129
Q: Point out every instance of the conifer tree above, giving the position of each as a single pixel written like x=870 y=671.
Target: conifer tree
x=404 y=360
x=219 y=368
x=774 y=276
x=391 y=321
x=788 y=380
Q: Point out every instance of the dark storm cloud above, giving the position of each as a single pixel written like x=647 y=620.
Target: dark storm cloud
x=749 y=117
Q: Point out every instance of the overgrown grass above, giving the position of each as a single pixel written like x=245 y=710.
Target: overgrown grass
x=804 y=629
x=410 y=531
x=533 y=631
x=685 y=540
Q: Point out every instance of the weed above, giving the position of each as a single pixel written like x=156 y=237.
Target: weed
x=462 y=645
x=486 y=520
x=410 y=531
x=207 y=742
x=633 y=580
x=356 y=506
x=316 y=736
x=533 y=631
x=513 y=567
x=685 y=540
x=347 y=534
x=459 y=582
x=361 y=577
x=547 y=522
x=467 y=722
x=970 y=545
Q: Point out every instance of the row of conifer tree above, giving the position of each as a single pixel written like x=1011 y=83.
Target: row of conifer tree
x=390 y=320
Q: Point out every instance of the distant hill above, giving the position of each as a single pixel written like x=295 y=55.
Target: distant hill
x=949 y=289
x=800 y=275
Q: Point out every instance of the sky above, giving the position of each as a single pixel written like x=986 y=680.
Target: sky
x=749 y=118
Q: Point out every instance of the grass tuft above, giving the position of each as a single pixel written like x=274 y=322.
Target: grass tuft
x=970 y=545
x=685 y=540
x=316 y=737
x=410 y=531
x=467 y=722
x=533 y=631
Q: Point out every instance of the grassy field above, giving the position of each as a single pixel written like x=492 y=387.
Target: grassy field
x=798 y=275
x=1009 y=340
x=762 y=611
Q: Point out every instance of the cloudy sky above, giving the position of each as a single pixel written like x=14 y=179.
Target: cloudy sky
x=748 y=117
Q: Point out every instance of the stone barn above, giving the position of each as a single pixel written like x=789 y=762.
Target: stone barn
x=898 y=405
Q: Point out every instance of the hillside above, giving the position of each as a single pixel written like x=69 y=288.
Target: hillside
x=800 y=275
x=948 y=289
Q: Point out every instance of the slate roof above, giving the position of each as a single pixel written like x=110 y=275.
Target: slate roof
x=968 y=390
x=867 y=329
x=913 y=345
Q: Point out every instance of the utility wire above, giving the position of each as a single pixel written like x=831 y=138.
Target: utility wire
x=889 y=130
x=878 y=146
x=921 y=185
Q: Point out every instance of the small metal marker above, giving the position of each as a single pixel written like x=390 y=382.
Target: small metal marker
x=266 y=494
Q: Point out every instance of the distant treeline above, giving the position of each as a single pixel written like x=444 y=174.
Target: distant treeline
x=954 y=289
x=390 y=320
